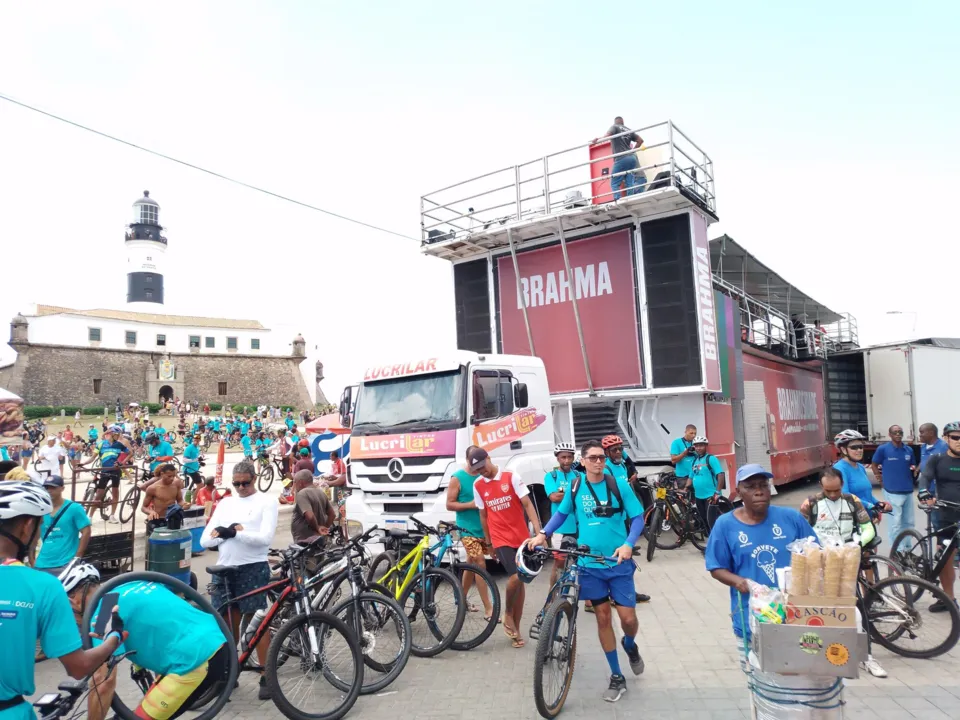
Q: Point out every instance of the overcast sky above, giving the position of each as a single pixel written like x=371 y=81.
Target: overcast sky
x=831 y=126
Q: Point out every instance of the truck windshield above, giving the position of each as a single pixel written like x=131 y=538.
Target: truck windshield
x=419 y=402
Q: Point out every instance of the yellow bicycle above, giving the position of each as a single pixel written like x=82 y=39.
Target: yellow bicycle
x=431 y=597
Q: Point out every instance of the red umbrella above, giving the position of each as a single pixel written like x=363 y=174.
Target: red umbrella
x=327 y=423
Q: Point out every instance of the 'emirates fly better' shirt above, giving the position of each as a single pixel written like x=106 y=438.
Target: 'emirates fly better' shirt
x=500 y=497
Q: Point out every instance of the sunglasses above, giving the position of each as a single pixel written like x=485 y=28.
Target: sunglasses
x=242 y=484
x=955 y=438
x=594 y=458
x=854 y=447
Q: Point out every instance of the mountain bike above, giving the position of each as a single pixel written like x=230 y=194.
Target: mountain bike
x=430 y=596
x=478 y=583
x=555 y=629
x=52 y=706
x=666 y=518
x=266 y=472
x=916 y=553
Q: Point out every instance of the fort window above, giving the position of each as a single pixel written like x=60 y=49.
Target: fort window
x=93 y=334
x=96 y=386
x=195 y=341
x=221 y=388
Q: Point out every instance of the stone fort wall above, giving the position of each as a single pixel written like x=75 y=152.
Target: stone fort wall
x=63 y=375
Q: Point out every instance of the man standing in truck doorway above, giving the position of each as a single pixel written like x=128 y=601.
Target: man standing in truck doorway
x=682 y=453
x=895 y=463
x=502 y=499
x=625 y=166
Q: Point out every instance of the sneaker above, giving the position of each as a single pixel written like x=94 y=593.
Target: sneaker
x=618 y=686
x=264 y=692
x=641 y=598
x=939 y=607
x=636 y=662
x=113 y=520
x=873 y=667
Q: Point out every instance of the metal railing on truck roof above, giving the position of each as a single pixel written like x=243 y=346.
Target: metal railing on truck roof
x=566 y=180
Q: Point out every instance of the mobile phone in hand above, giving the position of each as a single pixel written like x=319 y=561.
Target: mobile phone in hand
x=107 y=604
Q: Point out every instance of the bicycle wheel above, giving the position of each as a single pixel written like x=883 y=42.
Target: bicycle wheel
x=696 y=529
x=385 y=640
x=434 y=604
x=901 y=625
x=476 y=627
x=265 y=478
x=128 y=506
x=555 y=658
x=655 y=528
x=912 y=554
x=671 y=535
x=304 y=658
x=381 y=563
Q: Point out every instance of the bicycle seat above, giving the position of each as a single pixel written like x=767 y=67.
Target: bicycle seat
x=221 y=570
x=398 y=534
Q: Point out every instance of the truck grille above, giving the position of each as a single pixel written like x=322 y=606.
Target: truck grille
x=407 y=461
x=402 y=508
x=407 y=478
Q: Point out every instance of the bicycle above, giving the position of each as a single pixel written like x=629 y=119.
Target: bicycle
x=890 y=610
x=431 y=597
x=53 y=706
x=664 y=518
x=266 y=472
x=557 y=648
x=474 y=634
x=915 y=552
x=315 y=639
x=219 y=692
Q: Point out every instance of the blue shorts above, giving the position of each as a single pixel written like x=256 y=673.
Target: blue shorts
x=610 y=583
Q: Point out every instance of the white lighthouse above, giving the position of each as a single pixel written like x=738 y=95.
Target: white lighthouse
x=146 y=247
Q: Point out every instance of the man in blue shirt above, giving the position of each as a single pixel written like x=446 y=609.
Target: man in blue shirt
x=247 y=442
x=600 y=517
x=750 y=543
x=92 y=434
x=34 y=605
x=706 y=478
x=556 y=484
x=895 y=464
x=931 y=445
x=682 y=452
x=289 y=421
x=64 y=533
x=191 y=461
x=160 y=451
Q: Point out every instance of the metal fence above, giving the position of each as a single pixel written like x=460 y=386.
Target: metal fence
x=570 y=179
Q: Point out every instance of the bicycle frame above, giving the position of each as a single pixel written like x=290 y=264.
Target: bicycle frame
x=930 y=541
x=413 y=559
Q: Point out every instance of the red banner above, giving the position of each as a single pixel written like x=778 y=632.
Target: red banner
x=795 y=409
x=405 y=445
x=220 y=460
x=604 y=286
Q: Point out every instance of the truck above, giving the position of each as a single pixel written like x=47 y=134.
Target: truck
x=870 y=389
x=580 y=314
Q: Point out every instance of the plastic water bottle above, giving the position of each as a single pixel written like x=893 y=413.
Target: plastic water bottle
x=254 y=624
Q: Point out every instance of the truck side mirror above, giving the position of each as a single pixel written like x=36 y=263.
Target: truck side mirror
x=345 y=403
x=520 y=397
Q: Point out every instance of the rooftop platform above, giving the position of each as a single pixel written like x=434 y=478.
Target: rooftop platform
x=572 y=187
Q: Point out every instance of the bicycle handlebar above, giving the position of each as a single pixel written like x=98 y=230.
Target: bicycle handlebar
x=578 y=553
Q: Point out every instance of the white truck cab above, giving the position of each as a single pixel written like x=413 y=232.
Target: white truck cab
x=413 y=421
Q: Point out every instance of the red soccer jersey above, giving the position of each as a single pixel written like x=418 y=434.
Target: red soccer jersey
x=500 y=497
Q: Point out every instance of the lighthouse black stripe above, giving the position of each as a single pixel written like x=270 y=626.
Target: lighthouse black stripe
x=144 y=287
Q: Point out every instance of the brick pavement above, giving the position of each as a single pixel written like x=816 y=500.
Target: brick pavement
x=691 y=668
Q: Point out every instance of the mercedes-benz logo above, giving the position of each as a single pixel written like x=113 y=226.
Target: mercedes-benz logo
x=395 y=469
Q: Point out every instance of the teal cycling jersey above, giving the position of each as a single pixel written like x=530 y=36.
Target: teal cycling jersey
x=686 y=462
x=161 y=449
x=247 y=446
x=555 y=481
x=33 y=606
x=191 y=453
x=618 y=470
x=704 y=472
x=602 y=534
x=169 y=635
x=60 y=544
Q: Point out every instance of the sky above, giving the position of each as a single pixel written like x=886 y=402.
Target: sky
x=830 y=125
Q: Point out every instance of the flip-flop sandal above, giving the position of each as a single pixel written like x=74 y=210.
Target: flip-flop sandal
x=517 y=642
x=486 y=618
x=472 y=608
x=512 y=634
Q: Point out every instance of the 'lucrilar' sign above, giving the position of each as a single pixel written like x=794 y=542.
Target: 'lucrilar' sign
x=602 y=279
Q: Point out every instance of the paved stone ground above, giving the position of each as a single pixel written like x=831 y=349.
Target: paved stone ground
x=691 y=667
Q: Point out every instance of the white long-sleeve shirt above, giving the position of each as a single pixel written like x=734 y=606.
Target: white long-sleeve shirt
x=258 y=515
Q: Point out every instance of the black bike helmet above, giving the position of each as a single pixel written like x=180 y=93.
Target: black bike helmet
x=529 y=563
x=151 y=438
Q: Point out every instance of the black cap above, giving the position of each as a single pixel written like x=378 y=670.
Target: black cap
x=476 y=459
x=53 y=481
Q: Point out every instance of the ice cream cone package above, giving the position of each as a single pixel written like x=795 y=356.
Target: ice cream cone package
x=806 y=567
x=832 y=567
x=850 y=569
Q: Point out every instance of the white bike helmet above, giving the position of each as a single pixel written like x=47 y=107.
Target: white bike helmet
x=23 y=498
x=564 y=447
x=77 y=573
x=846 y=436
x=700 y=440
x=529 y=563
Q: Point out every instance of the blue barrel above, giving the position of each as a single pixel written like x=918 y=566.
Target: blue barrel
x=195 y=521
x=168 y=552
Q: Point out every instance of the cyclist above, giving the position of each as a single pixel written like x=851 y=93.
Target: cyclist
x=187 y=661
x=92 y=434
x=160 y=450
x=944 y=470
x=556 y=484
x=460 y=501
x=706 y=478
x=65 y=533
x=34 y=606
x=835 y=514
x=855 y=478
x=602 y=528
x=247 y=442
x=191 y=461
x=113 y=450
